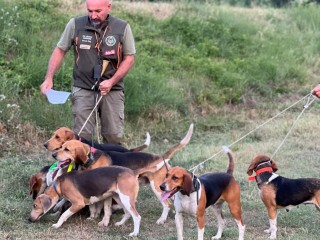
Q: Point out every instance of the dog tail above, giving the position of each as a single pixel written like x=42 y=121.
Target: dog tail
x=151 y=169
x=144 y=146
x=231 y=159
x=180 y=145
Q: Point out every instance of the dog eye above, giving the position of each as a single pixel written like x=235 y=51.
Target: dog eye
x=57 y=137
x=66 y=149
x=174 y=178
x=167 y=175
x=34 y=205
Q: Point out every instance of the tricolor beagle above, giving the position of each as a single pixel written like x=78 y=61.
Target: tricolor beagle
x=280 y=192
x=87 y=187
x=90 y=158
x=64 y=134
x=193 y=195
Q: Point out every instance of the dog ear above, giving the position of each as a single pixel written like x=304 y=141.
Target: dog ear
x=187 y=184
x=82 y=153
x=34 y=186
x=274 y=165
x=69 y=135
x=32 y=182
x=250 y=169
x=46 y=202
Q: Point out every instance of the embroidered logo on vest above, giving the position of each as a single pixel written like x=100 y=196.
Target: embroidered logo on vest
x=110 y=41
x=108 y=53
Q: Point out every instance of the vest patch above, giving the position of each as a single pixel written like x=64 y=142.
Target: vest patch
x=86 y=38
x=110 y=52
x=110 y=41
x=84 y=46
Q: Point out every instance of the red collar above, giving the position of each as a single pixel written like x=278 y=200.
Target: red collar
x=266 y=169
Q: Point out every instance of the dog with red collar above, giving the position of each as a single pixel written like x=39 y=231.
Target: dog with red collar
x=280 y=192
x=193 y=195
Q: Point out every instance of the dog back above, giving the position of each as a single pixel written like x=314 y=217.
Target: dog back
x=95 y=182
x=214 y=185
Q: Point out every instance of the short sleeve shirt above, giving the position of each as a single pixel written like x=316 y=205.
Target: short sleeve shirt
x=65 y=42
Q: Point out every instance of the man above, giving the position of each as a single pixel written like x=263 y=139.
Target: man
x=97 y=39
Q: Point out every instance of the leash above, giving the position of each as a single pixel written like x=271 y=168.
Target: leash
x=308 y=96
x=90 y=115
x=294 y=123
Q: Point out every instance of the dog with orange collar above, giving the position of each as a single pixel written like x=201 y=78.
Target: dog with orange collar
x=280 y=192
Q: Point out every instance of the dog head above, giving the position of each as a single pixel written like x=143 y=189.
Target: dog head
x=177 y=179
x=41 y=205
x=59 y=137
x=72 y=150
x=261 y=160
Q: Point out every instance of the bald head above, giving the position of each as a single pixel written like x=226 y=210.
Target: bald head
x=98 y=11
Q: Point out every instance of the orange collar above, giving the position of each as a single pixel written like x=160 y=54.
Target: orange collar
x=266 y=169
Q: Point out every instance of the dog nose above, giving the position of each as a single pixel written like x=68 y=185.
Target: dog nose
x=45 y=145
x=163 y=187
x=54 y=155
x=30 y=220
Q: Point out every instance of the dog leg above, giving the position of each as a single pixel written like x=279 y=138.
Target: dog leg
x=235 y=210
x=107 y=212
x=99 y=206
x=59 y=205
x=272 y=213
x=165 y=205
x=217 y=209
x=200 y=220
x=241 y=229
x=129 y=207
x=92 y=209
x=179 y=225
x=63 y=218
x=72 y=210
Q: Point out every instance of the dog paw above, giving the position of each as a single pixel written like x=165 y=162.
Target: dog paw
x=90 y=218
x=56 y=225
x=133 y=234
x=161 y=221
x=216 y=237
x=118 y=223
x=273 y=236
x=267 y=231
x=103 y=224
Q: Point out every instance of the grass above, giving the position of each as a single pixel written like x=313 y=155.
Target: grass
x=261 y=59
x=298 y=157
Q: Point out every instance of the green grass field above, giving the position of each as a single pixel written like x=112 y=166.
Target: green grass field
x=226 y=69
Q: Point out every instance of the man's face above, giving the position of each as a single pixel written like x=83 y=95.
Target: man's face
x=98 y=11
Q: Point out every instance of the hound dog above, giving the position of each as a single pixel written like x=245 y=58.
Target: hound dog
x=39 y=181
x=193 y=195
x=64 y=134
x=91 y=158
x=280 y=192
x=87 y=187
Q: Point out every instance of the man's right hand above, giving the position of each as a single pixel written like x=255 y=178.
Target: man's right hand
x=46 y=85
x=316 y=91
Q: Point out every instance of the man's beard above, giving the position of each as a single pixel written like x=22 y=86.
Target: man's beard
x=96 y=24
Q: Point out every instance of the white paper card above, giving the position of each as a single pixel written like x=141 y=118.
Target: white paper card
x=57 y=97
